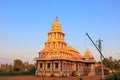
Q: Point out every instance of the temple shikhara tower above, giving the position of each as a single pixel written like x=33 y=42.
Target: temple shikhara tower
x=59 y=59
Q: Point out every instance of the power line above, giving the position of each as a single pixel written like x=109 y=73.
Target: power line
x=102 y=55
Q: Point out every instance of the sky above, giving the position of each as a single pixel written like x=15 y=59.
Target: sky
x=24 y=25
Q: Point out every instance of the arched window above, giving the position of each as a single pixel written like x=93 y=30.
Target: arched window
x=51 y=45
x=56 y=45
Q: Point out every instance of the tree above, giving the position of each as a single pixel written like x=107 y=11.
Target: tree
x=113 y=64
x=32 y=68
x=18 y=65
x=26 y=66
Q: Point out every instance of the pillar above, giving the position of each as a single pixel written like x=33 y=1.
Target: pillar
x=44 y=68
x=36 y=69
x=50 y=36
x=52 y=68
x=58 y=36
x=61 y=37
x=54 y=35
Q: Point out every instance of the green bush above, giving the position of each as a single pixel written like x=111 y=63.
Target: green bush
x=32 y=70
x=114 y=76
x=15 y=73
x=8 y=73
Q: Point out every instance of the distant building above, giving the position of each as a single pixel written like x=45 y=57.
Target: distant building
x=98 y=69
x=59 y=59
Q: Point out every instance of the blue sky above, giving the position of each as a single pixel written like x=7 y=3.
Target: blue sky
x=24 y=25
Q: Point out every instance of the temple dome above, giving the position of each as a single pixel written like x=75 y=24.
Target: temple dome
x=88 y=55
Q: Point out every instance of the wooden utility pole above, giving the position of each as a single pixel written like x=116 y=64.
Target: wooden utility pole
x=115 y=76
x=100 y=48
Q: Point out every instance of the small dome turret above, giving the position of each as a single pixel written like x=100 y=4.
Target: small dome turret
x=88 y=55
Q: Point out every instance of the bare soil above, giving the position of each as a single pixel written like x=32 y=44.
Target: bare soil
x=48 y=78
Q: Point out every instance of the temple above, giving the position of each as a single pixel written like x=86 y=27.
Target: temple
x=59 y=59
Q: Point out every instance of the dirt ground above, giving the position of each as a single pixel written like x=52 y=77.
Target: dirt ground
x=48 y=78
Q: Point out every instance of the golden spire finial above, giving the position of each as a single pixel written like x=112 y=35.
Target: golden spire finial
x=56 y=25
x=56 y=19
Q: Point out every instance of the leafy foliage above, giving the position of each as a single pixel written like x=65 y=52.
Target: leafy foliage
x=14 y=73
x=113 y=64
x=32 y=69
x=18 y=65
x=115 y=76
x=20 y=68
